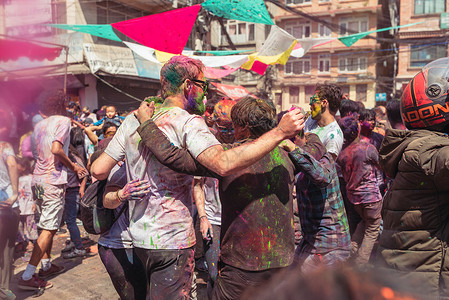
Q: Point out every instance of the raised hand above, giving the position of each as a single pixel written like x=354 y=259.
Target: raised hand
x=291 y=123
x=144 y=112
x=134 y=190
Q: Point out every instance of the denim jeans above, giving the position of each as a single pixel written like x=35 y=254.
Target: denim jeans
x=70 y=213
x=126 y=272
x=211 y=252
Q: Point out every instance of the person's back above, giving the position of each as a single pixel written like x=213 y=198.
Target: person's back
x=358 y=163
x=49 y=169
x=322 y=213
x=257 y=230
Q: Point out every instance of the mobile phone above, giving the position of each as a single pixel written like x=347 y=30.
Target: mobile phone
x=208 y=237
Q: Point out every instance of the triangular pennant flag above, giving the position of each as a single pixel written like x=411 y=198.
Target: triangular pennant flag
x=224 y=52
x=304 y=45
x=351 y=39
x=259 y=67
x=143 y=51
x=253 y=11
x=163 y=57
x=275 y=50
x=104 y=31
x=213 y=73
x=167 y=31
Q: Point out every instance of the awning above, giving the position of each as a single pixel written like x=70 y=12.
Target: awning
x=234 y=92
x=12 y=50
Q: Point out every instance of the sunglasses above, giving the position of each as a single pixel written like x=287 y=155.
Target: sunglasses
x=202 y=84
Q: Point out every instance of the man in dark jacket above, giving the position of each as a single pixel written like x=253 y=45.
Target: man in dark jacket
x=416 y=207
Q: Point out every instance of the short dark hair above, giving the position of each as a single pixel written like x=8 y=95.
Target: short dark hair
x=52 y=103
x=367 y=115
x=350 y=128
x=348 y=107
x=394 y=111
x=332 y=93
x=106 y=126
x=256 y=114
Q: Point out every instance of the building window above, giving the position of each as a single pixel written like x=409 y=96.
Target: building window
x=324 y=63
x=324 y=31
x=309 y=91
x=361 y=90
x=294 y=94
x=292 y=2
x=110 y=12
x=299 y=31
x=352 y=64
x=298 y=66
x=350 y=25
x=429 y=6
x=278 y=99
x=421 y=56
x=345 y=90
x=239 y=32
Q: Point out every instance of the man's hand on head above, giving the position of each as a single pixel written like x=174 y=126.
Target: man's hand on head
x=291 y=123
x=144 y=112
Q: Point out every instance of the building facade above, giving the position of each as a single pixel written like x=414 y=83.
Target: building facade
x=353 y=68
x=421 y=44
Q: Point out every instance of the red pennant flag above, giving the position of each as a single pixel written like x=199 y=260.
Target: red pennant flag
x=167 y=31
x=259 y=67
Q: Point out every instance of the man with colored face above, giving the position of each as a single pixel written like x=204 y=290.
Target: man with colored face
x=324 y=104
x=161 y=223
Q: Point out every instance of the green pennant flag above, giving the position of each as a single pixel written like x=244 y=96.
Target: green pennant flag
x=104 y=31
x=349 y=40
x=224 y=52
x=253 y=11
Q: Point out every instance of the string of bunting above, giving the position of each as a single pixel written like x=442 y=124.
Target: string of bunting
x=164 y=35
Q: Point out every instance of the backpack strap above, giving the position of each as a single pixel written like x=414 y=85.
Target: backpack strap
x=124 y=207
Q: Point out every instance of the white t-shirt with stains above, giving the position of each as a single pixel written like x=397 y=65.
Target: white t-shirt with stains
x=48 y=168
x=163 y=218
x=330 y=135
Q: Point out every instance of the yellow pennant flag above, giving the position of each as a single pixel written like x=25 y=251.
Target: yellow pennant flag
x=163 y=57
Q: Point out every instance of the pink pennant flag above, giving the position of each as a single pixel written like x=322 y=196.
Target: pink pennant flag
x=259 y=67
x=214 y=73
x=167 y=31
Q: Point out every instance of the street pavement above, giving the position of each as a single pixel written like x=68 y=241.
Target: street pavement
x=83 y=277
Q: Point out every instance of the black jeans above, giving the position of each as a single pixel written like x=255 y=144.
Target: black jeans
x=169 y=272
x=127 y=273
x=232 y=282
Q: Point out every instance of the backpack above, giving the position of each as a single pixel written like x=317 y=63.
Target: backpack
x=95 y=217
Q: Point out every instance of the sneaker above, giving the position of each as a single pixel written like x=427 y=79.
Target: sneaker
x=74 y=253
x=54 y=269
x=34 y=284
x=68 y=247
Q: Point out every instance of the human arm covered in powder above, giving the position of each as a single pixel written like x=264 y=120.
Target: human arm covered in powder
x=177 y=159
x=306 y=160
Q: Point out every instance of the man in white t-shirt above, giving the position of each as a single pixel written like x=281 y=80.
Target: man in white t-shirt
x=324 y=104
x=161 y=223
x=52 y=138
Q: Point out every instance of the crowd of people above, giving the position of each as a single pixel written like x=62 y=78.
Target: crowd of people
x=262 y=201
